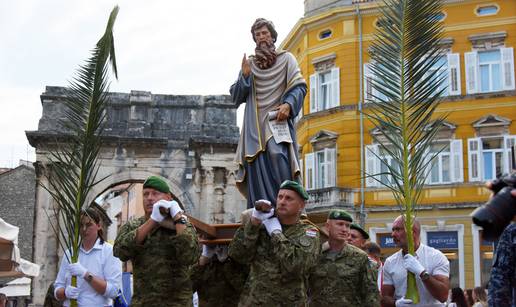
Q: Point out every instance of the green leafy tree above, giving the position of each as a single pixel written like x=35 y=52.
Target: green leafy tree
x=73 y=165
x=404 y=51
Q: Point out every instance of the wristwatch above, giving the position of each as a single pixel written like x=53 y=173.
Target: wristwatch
x=424 y=275
x=88 y=278
x=181 y=220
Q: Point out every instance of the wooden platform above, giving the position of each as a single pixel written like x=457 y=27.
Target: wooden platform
x=211 y=234
x=214 y=234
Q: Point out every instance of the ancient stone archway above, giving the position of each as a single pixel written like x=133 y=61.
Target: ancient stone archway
x=188 y=140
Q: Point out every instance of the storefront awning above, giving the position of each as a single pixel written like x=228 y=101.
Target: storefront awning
x=12 y=266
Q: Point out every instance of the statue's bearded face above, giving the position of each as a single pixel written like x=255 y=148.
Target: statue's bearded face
x=265 y=52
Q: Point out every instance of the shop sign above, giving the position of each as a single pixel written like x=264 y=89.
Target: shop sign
x=443 y=239
x=387 y=242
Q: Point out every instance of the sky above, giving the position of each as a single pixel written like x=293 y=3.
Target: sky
x=162 y=46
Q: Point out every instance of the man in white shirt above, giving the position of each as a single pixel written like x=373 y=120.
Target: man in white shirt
x=430 y=266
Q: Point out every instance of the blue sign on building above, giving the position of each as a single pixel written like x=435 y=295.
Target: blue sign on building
x=387 y=241
x=443 y=239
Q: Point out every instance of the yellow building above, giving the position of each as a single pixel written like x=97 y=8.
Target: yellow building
x=331 y=43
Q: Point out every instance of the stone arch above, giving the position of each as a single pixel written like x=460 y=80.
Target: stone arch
x=139 y=175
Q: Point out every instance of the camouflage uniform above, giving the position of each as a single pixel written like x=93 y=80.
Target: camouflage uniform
x=279 y=264
x=343 y=279
x=502 y=284
x=219 y=283
x=161 y=265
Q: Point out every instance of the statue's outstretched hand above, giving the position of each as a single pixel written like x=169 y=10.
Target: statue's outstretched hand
x=246 y=67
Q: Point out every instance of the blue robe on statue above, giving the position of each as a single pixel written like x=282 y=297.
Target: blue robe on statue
x=264 y=164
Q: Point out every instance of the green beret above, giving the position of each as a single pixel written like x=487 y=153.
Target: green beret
x=157 y=183
x=339 y=214
x=294 y=186
x=362 y=231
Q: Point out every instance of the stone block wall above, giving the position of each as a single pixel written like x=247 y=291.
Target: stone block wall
x=17 y=199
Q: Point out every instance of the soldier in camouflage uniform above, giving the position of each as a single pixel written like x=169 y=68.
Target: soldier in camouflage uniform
x=280 y=250
x=343 y=275
x=218 y=279
x=161 y=257
x=357 y=236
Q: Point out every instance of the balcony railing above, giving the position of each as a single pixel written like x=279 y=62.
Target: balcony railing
x=327 y=198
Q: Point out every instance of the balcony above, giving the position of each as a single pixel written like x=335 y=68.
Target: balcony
x=328 y=198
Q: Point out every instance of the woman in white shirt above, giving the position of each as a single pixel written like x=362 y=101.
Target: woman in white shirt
x=99 y=273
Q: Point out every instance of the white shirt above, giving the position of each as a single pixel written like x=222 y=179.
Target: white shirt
x=434 y=262
x=100 y=262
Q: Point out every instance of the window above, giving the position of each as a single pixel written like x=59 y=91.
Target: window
x=448 y=243
x=320 y=169
x=489 y=71
x=370 y=92
x=378 y=161
x=440 y=16
x=447 y=166
x=487 y=10
x=324 y=90
x=449 y=65
x=489 y=157
x=324 y=34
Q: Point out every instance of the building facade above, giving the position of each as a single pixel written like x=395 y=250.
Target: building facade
x=17 y=194
x=331 y=44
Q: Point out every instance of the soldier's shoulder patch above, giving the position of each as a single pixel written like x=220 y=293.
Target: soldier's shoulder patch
x=312 y=232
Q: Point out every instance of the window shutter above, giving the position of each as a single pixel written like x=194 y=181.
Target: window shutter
x=331 y=169
x=313 y=92
x=310 y=171
x=456 y=165
x=474 y=159
x=335 y=87
x=507 y=68
x=471 y=59
x=428 y=167
x=301 y=169
x=371 y=156
x=508 y=142
x=368 y=84
x=453 y=74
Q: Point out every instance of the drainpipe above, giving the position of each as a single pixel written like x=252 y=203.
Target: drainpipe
x=361 y=115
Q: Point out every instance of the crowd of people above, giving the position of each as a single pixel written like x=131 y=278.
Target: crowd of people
x=276 y=258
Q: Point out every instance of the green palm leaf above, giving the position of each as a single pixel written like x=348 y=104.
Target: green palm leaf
x=74 y=166
x=405 y=48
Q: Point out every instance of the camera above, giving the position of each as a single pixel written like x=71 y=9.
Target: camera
x=498 y=212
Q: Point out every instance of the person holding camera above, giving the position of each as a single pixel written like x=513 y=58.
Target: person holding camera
x=502 y=283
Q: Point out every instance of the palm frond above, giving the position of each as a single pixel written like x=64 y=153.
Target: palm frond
x=404 y=56
x=73 y=165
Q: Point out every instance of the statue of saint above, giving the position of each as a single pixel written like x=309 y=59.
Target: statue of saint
x=271 y=85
